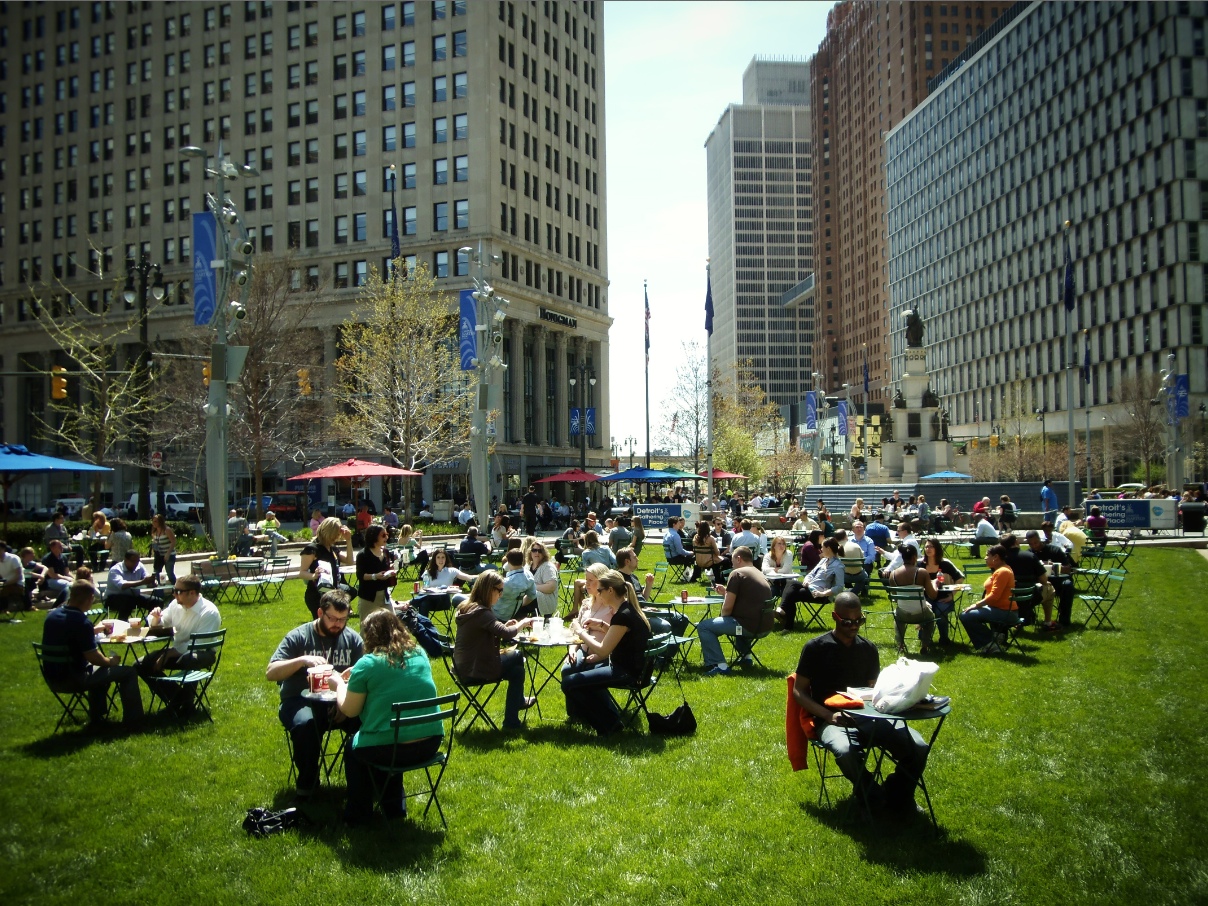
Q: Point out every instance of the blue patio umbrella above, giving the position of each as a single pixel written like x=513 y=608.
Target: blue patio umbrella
x=639 y=473
x=16 y=462
x=947 y=475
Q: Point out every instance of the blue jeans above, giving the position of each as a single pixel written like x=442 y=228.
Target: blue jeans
x=359 y=767
x=586 y=689
x=849 y=744
x=513 y=675
x=942 y=608
x=306 y=724
x=975 y=621
x=708 y=631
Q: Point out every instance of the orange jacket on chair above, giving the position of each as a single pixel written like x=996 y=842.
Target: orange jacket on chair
x=799 y=723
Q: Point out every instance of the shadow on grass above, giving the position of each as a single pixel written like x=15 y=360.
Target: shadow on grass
x=629 y=741
x=910 y=846
x=81 y=737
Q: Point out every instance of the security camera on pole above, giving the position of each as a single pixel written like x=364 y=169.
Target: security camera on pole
x=481 y=319
x=222 y=267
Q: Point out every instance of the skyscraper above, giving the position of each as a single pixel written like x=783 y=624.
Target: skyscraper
x=870 y=71
x=491 y=113
x=760 y=218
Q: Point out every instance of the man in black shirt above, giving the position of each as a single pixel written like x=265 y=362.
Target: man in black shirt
x=1060 y=584
x=529 y=505
x=1029 y=574
x=833 y=662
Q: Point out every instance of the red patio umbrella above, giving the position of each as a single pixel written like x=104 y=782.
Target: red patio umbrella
x=356 y=468
x=572 y=475
x=719 y=475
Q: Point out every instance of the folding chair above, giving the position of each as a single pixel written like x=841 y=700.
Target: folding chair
x=658 y=655
x=1007 y=634
x=473 y=691
x=439 y=761
x=467 y=563
x=250 y=582
x=1100 y=605
x=192 y=686
x=855 y=581
x=74 y=704
x=566 y=587
x=907 y=605
x=661 y=571
x=331 y=753
x=276 y=571
x=743 y=642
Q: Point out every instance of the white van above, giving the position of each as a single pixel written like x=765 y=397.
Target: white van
x=177 y=504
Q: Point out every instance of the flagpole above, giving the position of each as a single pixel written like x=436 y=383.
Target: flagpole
x=646 y=297
x=1086 y=385
x=1070 y=309
x=709 y=387
x=864 y=427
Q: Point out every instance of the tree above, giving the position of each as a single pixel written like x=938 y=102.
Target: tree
x=1142 y=424
x=110 y=394
x=268 y=402
x=400 y=389
x=687 y=434
x=746 y=424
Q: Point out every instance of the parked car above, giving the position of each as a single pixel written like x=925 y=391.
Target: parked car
x=177 y=504
x=289 y=506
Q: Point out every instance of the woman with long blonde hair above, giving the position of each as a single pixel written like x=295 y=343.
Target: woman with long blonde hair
x=319 y=564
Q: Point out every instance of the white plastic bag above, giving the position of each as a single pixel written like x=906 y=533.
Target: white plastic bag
x=902 y=685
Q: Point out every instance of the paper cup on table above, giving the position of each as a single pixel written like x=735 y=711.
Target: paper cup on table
x=318 y=676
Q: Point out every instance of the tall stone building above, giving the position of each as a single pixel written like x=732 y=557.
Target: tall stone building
x=1095 y=113
x=870 y=71
x=492 y=114
x=760 y=212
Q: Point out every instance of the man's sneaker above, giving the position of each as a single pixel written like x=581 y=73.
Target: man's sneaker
x=746 y=661
x=718 y=670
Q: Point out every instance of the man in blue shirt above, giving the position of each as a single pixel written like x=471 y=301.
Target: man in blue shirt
x=86 y=669
x=519 y=590
x=878 y=531
x=1048 y=500
x=673 y=545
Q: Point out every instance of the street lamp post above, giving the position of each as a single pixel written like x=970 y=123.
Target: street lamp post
x=585 y=381
x=632 y=442
x=817 y=445
x=136 y=291
x=1107 y=469
x=1044 y=445
x=1203 y=445
x=232 y=266
x=834 y=455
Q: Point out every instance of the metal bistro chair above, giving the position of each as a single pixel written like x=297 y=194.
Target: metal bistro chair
x=743 y=643
x=478 y=694
x=637 y=693
x=909 y=607
x=74 y=704
x=405 y=716
x=1100 y=605
x=192 y=686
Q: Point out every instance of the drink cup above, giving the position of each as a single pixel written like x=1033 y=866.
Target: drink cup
x=415 y=588
x=683 y=596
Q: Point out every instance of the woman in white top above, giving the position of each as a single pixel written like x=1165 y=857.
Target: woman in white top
x=778 y=564
x=545 y=578
x=857 y=510
x=442 y=574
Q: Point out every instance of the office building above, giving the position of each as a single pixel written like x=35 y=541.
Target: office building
x=760 y=219
x=1095 y=113
x=491 y=113
x=870 y=71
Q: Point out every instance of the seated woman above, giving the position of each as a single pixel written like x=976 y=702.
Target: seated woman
x=708 y=555
x=906 y=575
x=119 y=541
x=545 y=578
x=616 y=660
x=857 y=510
x=319 y=564
x=811 y=550
x=411 y=540
x=441 y=574
x=941 y=571
x=824 y=518
x=97 y=537
x=823 y=582
x=375 y=573
x=593 y=553
x=593 y=614
x=778 y=564
x=392 y=670
x=476 y=655
x=584 y=589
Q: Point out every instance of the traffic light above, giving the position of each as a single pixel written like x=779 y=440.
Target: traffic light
x=205 y=374
x=304 y=387
x=58 y=383
x=973 y=443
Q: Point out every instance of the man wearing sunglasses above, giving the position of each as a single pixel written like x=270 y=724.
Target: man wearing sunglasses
x=188 y=613
x=832 y=663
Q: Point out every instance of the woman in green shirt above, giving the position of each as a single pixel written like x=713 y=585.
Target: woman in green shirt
x=392 y=670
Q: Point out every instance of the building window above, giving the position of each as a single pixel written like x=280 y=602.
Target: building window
x=341 y=190
x=459 y=44
x=358 y=63
x=389 y=97
x=461 y=85
x=408 y=135
x=360 y=227
x=389 y=138
x=340 y=275
x=408 y=53
x=389 y=58
x=461 y=168
x=440 y=171
x=440 y=130
x=359 y=103
x=409 y=174
x=408 y=94
x=440 y=216
x=360 y=143
x=409 y=221
x=440 y=88
x=361 y=272
x=440 y=47
x=461 y=214
x=341 y=229
x=440 y=264
x=461 y=127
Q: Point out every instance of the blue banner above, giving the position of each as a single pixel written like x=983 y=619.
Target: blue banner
x=843 y=418
x=811 y=412
x=467 y=338
x=1182 y=392
x=205 y=251
x=1136 y=514
x=574 y=421
x=589 y=419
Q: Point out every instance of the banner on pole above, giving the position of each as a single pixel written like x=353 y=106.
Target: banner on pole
x=811 y=412
x=574 y=421
x=843 y=418
x=205 y=249
x=467 y=339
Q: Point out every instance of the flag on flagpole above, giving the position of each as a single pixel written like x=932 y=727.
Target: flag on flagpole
x=646 y=296
x=395 y=248
x=1086 y=358
x=708 y=306
x=1069 y=279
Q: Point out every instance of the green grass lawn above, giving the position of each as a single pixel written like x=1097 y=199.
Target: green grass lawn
x=1071 y=773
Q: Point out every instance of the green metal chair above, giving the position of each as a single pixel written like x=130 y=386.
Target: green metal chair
x=1100 y=605
x=190 y=687
x=74 y=704
x=437 y=762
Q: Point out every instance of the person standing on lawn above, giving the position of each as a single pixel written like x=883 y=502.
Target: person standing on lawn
x=746 y=592
x=87 y=669
x=326 y=640
x=832 y=663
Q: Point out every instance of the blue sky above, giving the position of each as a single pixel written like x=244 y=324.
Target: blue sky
x=670 y=71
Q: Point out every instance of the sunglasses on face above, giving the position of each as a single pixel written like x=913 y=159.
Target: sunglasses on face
x=851 y=624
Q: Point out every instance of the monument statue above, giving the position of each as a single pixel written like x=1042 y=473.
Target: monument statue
x=886 y=429
x=899 y=401
x=930 y=400
x=909 y=449
x=935 y=426
x=944 y=424
x=914 y=329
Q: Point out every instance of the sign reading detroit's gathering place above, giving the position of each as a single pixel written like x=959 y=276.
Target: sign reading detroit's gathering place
x=1128 y=514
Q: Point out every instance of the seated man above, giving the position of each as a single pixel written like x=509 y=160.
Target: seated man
x=879 y=532
x=472 y=544
x=1060 y=581
x=746 y=592
x=905 y=536
x=56 y=529
x=188 y=613
x=868 y=549
x=35 y=579
x=832 y=663
x=57 y=577
x=519 y=591
x=326 y=640
x=125 y=579
x=1029 y=574
x=87 y=670
x=983 y=533
x=995 y=605
x=673 y=545
x=12 y=581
